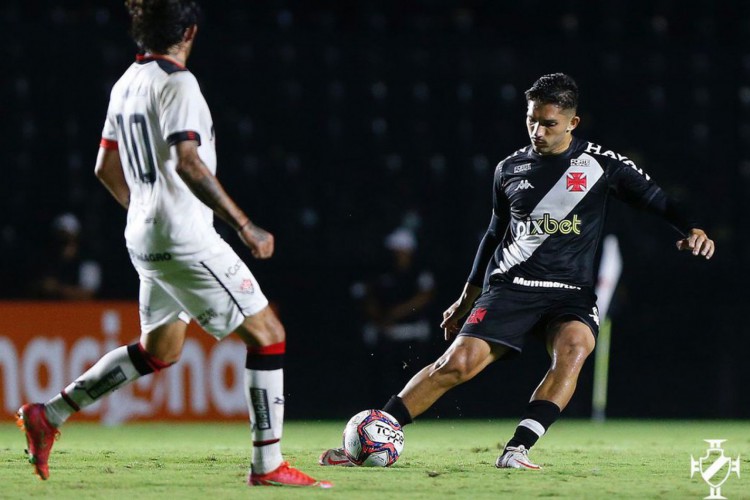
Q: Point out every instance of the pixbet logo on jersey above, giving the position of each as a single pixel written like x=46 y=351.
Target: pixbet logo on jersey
x=548 y=225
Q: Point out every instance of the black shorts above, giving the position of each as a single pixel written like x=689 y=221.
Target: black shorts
x=505 y=314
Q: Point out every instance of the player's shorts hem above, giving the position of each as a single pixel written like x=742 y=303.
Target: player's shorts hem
x=179 y=315
x=244 y=314
x=514 y=350
x=562 y=315
x=255 y=310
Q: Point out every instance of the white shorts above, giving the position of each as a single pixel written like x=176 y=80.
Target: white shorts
x=219 y=293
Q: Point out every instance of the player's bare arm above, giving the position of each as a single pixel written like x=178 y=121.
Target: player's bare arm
x=108 y=170
x=698 y=243
x=459 y=309
x=209 y=190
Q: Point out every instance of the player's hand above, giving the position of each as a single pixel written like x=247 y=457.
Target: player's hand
x=452 y=316
x=698 y=243
x=258 y=240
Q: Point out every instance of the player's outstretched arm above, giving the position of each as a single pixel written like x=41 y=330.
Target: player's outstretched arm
x=460 y=308
x=698 y=243
x=108 y=170
x=207 y=188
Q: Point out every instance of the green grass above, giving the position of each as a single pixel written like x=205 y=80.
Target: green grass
x=442 y=459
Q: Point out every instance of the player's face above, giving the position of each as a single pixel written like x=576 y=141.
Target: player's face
x=549 y=127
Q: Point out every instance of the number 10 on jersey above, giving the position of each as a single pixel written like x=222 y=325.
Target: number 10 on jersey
x=138 y=145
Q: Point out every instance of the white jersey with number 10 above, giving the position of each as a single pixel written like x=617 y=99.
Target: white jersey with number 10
x=153 y=106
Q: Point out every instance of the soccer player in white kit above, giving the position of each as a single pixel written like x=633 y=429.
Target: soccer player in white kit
x=158 y=160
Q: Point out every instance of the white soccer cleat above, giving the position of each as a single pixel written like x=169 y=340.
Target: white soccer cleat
x=515 y=458
x=335 y=456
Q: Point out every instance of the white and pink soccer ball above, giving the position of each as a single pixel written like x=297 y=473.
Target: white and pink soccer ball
x=373 y=438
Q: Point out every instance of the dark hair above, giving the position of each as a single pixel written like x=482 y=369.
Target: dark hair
x=556 y=88
x=157 y=25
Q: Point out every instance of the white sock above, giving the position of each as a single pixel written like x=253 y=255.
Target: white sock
x=113 y=370
x=264 y=380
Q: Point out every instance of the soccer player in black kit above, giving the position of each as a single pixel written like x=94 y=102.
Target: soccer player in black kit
x=549 y=202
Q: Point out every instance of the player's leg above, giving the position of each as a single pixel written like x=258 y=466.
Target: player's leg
x=157 y=349
x=569 y=344
x=501 y=318
x=264 y=381
x=264 y=386
x=114 y=370
x=462 y=361
x=225 y=297
x=492 y=331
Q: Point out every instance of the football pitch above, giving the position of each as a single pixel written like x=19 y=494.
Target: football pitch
x=444 y=459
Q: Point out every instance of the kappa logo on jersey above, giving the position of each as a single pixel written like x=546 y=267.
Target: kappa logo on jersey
x=521 y=168
x=595 y=315
x=548 y=225
x=524 y=184
x=476 y=316
x=576 y=182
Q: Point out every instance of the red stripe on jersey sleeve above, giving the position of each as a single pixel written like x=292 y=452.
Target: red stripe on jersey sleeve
x=108 y=144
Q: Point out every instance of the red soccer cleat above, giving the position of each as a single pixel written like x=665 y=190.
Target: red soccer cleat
x=284 y=475
x=40 y=436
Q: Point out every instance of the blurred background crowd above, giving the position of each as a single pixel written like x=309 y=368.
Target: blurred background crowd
x=355 y=131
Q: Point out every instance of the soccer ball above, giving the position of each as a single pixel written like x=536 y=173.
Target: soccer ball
x=373 y=438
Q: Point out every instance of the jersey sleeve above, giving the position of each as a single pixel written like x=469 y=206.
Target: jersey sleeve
x=631 y=184
x=492 y=236
x=636 y=188
x=181 y=103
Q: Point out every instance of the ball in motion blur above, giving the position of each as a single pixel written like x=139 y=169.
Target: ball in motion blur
x=373 y=438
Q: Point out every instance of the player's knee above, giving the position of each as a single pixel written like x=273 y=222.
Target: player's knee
x=584 y=345
x=575 y=348
x=264 y=328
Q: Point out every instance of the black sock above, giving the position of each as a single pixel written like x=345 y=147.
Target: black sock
x=395 y=406
x=537 y=418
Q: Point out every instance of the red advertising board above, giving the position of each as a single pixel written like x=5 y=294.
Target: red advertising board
x=45 y=345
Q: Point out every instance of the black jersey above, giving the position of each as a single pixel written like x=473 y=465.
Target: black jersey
x=555 y=207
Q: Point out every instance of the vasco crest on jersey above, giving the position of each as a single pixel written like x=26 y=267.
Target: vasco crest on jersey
x=576 y=182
